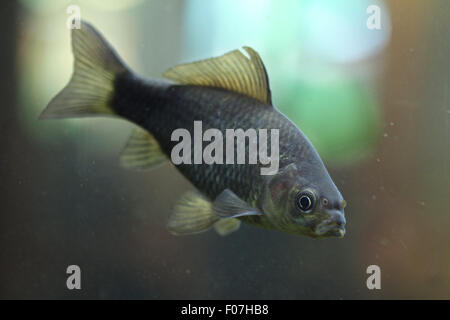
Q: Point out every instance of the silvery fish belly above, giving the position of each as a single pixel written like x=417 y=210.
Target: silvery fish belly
x=222 y=105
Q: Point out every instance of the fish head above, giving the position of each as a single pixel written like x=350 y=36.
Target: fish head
x=304 y=200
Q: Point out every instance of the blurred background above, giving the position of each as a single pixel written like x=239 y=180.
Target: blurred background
x=374 y=102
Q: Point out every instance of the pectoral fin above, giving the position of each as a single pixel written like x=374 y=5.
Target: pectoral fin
x=229 y=205
x=194 y=213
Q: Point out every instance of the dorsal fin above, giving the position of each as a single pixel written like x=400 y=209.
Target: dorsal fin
x=142 y=151
x=232 y=71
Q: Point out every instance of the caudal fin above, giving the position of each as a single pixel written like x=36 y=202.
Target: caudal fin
x=96 y=66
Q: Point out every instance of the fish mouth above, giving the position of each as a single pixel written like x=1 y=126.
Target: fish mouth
x=332 y=227
x=331 y=230
x=338 y=231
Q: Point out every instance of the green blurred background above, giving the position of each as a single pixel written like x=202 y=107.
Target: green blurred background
x=375 y=103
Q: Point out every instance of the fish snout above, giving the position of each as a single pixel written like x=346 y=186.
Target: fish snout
x=338 y=218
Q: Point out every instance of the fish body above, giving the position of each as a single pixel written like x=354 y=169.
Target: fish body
x=231 y=91
x=178 y=106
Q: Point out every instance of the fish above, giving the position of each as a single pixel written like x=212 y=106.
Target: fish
x=229 y=91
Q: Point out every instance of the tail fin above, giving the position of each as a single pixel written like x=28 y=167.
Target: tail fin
x=96 y=65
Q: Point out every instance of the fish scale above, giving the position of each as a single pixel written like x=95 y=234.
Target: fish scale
x=170 y=106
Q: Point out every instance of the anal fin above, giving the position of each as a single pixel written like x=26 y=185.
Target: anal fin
x=142 y=151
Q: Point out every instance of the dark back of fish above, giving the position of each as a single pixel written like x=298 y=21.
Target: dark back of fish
x=162 y=108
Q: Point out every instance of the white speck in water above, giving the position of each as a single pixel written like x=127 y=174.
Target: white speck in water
x=374 y=197
x=403 y=245
x=378 y=160
x=385 y=135
x=391 y=124
x=422 y=203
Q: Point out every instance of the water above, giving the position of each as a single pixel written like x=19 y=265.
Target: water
x=379 y=116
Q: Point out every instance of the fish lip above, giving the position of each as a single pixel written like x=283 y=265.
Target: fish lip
x=333 y=226
x=338 y=231
x=330 y=230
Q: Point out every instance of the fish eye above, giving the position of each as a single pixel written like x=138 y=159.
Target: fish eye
x=305 y=201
